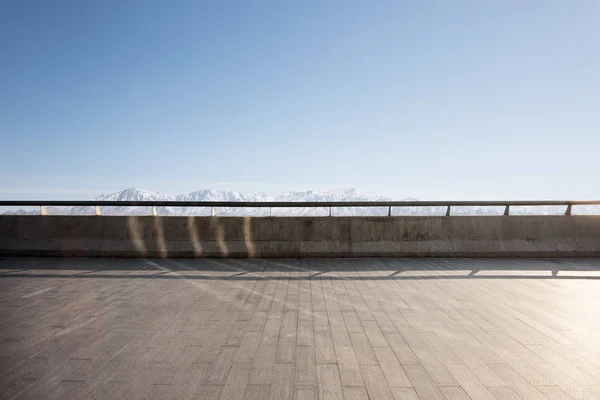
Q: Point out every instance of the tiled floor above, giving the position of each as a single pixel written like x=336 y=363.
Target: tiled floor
x=299 y=329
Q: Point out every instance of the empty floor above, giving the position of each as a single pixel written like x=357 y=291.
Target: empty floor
x=299 y=329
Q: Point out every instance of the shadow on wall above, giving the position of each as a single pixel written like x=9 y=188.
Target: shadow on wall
x=187 y=237
x=252 y=237
x=287 y=237
x=194 y=238
x=221 y=237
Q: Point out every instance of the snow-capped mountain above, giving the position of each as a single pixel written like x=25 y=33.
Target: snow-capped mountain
x=135 y=194
x=331 y=195
x=220 y=195
x=131 y=194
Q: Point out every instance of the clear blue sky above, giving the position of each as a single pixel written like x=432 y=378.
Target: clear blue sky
x=431 y=99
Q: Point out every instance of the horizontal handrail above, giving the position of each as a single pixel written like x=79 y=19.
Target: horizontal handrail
x=294 y=204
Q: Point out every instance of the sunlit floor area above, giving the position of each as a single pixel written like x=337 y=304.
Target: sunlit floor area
x=299 y=329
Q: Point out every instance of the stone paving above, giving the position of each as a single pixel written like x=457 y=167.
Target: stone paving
x=299 y=329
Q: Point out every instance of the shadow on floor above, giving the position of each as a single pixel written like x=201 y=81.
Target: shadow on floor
x=300 y=269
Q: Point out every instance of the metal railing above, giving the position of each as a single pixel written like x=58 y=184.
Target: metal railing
x=295 y=204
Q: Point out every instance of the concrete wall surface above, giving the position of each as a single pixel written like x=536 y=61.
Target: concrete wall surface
x=251 y=237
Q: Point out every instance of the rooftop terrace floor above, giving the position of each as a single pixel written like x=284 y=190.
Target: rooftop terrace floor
x=299 y=329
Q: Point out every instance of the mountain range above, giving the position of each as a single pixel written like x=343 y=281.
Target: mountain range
x=135 y=194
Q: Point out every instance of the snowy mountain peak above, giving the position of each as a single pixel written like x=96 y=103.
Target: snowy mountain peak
x=221 y=195
x=135 y=194
x=330 y=195
x=138 y=194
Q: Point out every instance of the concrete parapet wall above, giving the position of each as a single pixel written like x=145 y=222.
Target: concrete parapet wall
x=250 y=237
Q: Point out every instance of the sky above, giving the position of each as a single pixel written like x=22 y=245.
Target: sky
x=437 y=100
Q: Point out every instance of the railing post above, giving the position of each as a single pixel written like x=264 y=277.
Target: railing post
x=270 y=211
x=330 y=211
x=390 y=211
x=154 y=211
x=98 y=210
x=212 y=211
x=43 y=210
x=506 y=210
x=448 y=211
x=568 y=210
